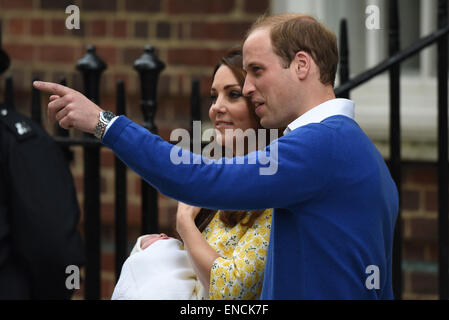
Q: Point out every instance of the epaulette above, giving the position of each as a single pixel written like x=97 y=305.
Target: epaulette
x=19 y=125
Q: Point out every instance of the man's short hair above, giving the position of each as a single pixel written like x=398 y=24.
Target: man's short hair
x=292 y=33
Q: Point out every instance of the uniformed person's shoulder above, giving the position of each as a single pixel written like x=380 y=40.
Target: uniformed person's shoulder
x=20 y=126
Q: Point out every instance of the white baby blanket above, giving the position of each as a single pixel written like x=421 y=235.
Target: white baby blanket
x=162 y=271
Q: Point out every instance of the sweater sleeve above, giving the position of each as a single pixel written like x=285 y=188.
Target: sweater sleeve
x=241 y=276
x=291 y=169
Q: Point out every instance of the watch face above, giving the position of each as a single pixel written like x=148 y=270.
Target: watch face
x=107 y=115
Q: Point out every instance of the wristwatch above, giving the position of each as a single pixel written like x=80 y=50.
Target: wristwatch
x=105 y=118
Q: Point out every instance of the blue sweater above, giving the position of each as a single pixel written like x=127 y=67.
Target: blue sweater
x=335 y=204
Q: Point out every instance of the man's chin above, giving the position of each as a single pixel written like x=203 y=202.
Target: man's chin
x=267 y=124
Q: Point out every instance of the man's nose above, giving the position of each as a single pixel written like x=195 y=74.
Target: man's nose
x=248 y=87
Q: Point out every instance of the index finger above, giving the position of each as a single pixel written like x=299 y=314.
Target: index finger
x=53 y=88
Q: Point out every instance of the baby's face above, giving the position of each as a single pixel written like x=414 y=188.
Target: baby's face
x=152 y=238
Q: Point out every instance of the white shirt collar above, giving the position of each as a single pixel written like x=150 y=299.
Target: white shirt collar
x=325 y=110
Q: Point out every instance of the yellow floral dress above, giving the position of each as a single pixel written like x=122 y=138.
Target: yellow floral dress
x=238 y=273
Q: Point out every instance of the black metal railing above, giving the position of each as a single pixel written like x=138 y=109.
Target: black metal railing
x=149 y=68
x=121 y=224
x=393 y=65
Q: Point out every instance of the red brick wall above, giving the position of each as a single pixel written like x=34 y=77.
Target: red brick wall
x=420 y=230
x=189 y=37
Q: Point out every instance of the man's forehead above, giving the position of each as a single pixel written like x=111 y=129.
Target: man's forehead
x=257 y=44
x=258 y=38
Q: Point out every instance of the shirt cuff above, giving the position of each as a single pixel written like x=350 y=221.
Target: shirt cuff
x=109 y=124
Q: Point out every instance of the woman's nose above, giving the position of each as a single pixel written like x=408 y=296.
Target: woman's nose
x=219 y=106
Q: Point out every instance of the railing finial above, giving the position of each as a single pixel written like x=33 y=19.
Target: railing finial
x=149 y=67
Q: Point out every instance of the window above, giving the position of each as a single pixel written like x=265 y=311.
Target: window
x=418 y=18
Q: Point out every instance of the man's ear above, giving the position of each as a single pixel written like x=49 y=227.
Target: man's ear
x=302 y=64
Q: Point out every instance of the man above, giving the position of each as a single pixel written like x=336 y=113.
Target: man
x=334 y=201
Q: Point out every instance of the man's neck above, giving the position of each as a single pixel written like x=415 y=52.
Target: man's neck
x=318 y=97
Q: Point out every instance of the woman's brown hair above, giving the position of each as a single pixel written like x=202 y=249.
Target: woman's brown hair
x=234 y=61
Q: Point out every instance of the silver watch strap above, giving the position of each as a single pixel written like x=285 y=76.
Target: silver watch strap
x=103 y=121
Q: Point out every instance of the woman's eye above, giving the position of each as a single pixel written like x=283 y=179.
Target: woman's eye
x=235 y=94
x=213 y=98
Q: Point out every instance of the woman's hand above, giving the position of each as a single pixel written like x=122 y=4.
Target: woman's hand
x=69 y=107
x=201 y=253
x=185 y=217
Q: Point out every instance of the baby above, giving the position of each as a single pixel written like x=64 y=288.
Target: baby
x=156 y=270
x=144 y=242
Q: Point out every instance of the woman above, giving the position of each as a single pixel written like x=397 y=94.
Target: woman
x=229 y=255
